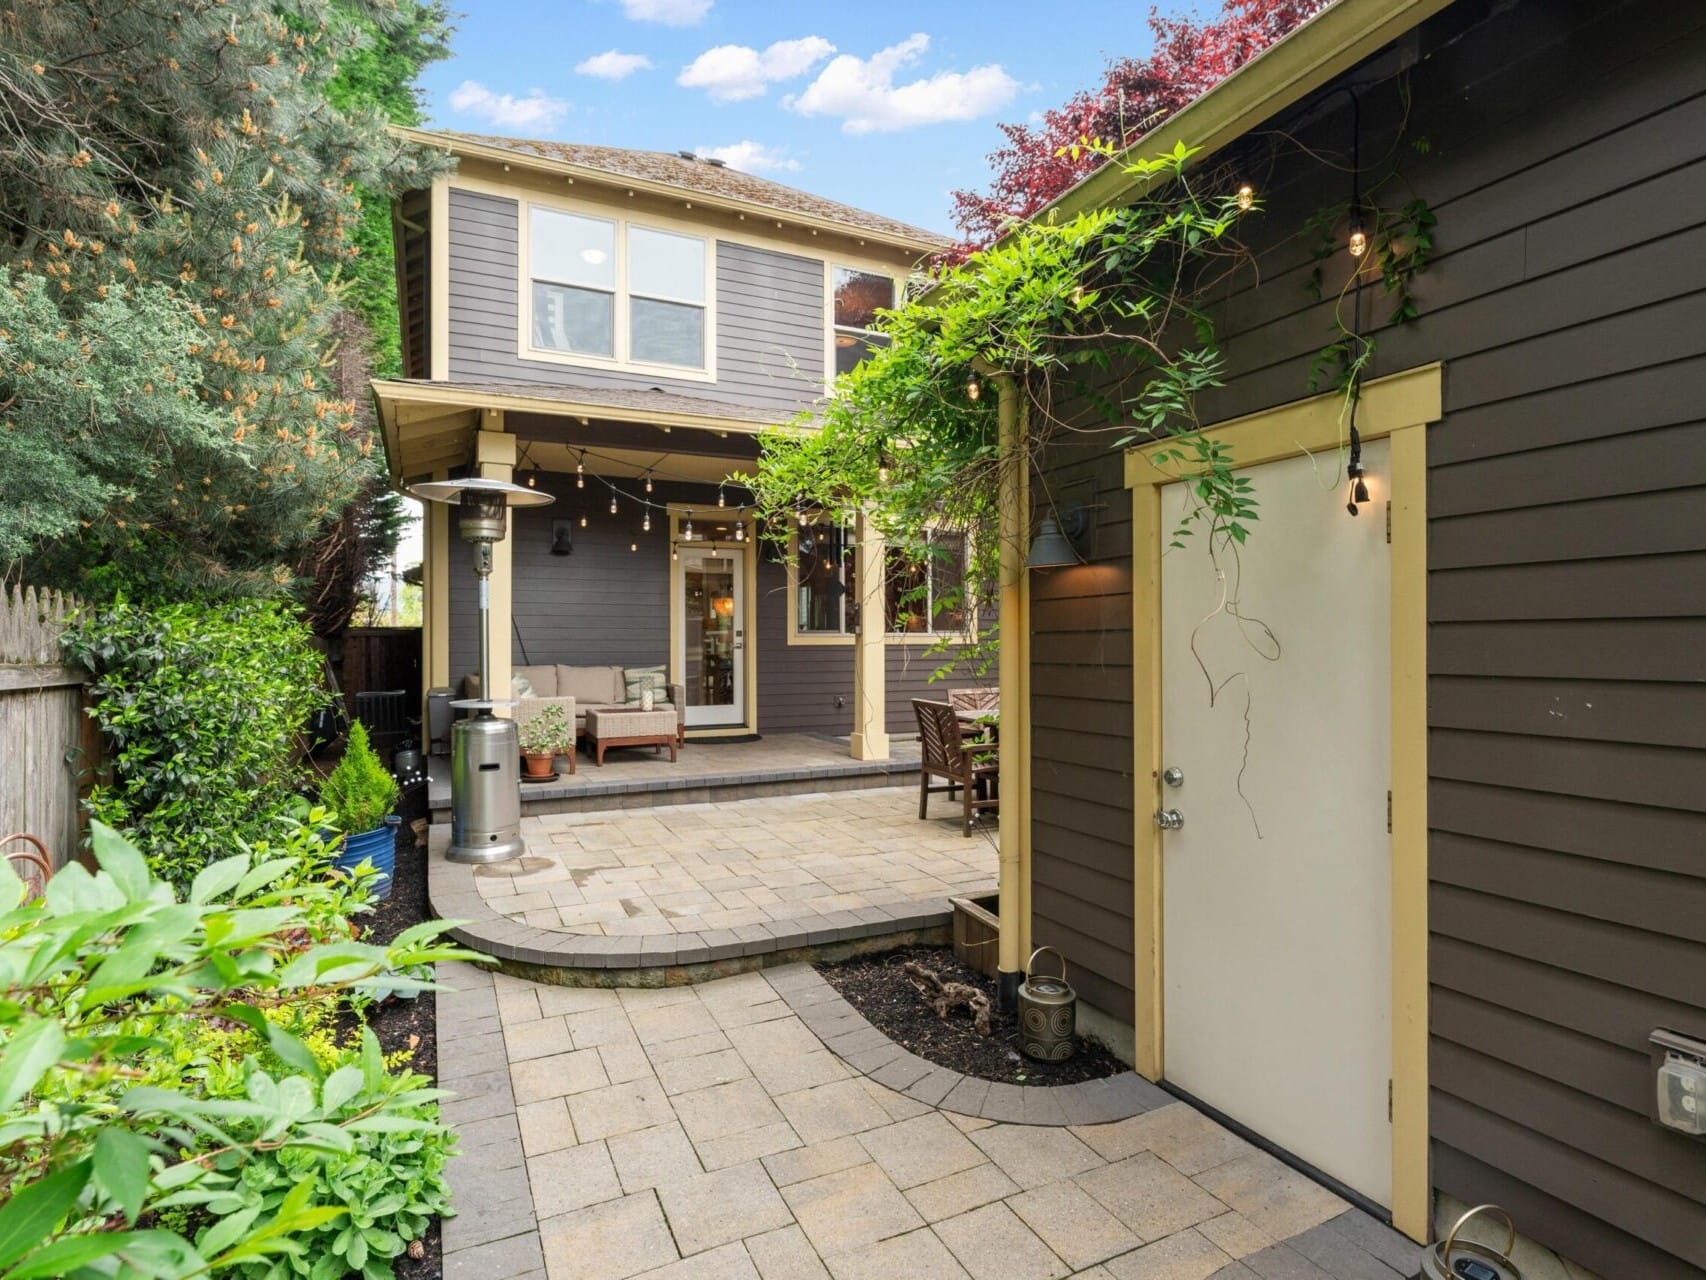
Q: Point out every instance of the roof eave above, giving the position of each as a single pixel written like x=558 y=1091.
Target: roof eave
x=669 y=191
x=1313 y=55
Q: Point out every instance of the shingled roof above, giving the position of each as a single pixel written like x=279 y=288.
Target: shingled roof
x=696 y=175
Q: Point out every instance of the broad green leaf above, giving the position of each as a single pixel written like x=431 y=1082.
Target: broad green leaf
x=34 y=1213
x=65 y=1255
x=26 y=1057
x=218 y=878
x=120 y=860
x=121 y=1168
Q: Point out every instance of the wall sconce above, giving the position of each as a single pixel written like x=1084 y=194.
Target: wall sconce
x=1055 y=543
x=562 y=537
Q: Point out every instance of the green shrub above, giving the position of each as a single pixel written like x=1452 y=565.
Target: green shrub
x=360 y=790
x=169 y=1103
x=547 y=729
x=201 y=709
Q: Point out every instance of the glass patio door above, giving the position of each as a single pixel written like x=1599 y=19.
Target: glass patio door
x=713 y=640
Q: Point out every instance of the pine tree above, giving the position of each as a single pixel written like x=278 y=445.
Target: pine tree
x=179 y=197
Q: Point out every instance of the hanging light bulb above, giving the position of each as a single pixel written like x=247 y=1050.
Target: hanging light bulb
x=1358 y=488
x=580 y=471
x=583 y=519
x=674 y=551
x=740 y=531
x=646 y=524
x=687 y=529
x=613 y=502
x=633 y=546
x=974 y=388
x=532 y=479
x=802 y=519
x=648 y=482
x=721 y=500
x=1246 y=198
x=1358 y=241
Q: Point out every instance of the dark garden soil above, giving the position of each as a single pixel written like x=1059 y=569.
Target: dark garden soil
x=878 y=987
x=408 y=1024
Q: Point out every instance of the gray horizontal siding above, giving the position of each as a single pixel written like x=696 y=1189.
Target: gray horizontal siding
x=1566 y=600
x=769 y=317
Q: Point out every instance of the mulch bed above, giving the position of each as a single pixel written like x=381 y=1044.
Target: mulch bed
x=878 y=988
x=408 y=1024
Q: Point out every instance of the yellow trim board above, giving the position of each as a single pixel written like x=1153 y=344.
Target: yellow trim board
x=1398 y=407
x=394 y=395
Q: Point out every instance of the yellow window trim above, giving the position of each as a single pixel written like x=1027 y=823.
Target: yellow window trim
x=1399 y=408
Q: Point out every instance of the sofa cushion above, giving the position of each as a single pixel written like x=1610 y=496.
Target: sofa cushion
x=591 y=686
x=636 y=680
x=543 y=679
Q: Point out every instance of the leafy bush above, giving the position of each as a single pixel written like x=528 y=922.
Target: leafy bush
x=547 y=730
x=360 y=790
x=201 y=707
x=159 y=1115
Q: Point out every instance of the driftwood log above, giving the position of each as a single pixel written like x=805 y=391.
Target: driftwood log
x=946 y=996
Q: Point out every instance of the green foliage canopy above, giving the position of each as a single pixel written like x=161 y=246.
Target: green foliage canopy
x=179 y=190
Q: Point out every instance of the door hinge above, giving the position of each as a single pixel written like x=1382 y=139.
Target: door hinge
x=1388 y=1100
x=1388 y=813
x=1389 y=522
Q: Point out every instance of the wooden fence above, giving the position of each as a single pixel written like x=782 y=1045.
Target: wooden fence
x=47 y=744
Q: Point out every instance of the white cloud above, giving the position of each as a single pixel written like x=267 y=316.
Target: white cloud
x=538 y=110
x=733 y=72
x=671 y=13
x=611 y=65
x=750 y=157
x=863 y=93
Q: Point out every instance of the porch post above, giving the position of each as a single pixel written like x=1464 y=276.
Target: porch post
x=1013 y=501
x=435 y=599
x=494 y=451
x=870 y=650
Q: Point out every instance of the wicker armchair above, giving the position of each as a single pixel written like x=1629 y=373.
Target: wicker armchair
x=970 y=768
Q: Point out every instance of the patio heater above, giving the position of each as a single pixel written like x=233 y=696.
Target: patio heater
x=485 y=751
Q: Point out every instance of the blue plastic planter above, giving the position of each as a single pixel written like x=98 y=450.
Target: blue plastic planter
x=379 y=847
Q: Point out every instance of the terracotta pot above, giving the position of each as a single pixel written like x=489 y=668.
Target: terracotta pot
x=538 y=766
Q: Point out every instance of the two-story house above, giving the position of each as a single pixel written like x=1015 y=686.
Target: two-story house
x=617 y=327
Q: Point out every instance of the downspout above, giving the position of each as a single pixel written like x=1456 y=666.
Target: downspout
x=1014 y=524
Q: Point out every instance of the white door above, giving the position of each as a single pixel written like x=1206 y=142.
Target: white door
x=713 y=635
x=1276 y=890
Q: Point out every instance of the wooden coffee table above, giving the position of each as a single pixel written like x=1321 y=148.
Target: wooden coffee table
x=629 y=727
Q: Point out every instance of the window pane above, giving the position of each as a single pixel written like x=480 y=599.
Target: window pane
x=858 y=294
x=906 y=594
x=851 y=348
x=577 y=320
x=666 y=333
x=570 y=249
x=947 y=581
x=661 y=265
x=822 y=559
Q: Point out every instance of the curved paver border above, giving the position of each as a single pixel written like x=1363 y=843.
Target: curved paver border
x=664 y=959
x=867 y=1049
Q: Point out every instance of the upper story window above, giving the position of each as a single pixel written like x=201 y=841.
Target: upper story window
x=859 y=295
x=613 y=290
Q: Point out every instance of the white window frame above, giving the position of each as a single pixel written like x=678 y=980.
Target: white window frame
x=622 y=310
x=830 y=328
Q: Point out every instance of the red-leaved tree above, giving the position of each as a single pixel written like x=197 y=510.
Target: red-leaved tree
x=1189 y=59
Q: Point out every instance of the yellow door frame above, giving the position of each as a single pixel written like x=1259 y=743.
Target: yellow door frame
x=1397 y=408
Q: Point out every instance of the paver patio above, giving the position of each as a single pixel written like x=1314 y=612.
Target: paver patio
x=703 y=1132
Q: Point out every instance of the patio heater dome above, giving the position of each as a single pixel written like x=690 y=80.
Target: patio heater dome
x=485 y=751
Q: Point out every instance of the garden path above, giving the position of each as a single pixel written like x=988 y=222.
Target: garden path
x=707 y=1132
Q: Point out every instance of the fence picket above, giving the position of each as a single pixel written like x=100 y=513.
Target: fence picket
x=42 y=730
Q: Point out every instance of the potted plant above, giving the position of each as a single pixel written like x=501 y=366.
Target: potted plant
x=362 y=793
x=544 y=737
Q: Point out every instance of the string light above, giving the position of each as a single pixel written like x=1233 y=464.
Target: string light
x=633 y=546
x=646 y=524
x=687 y=529
x=1358 y=242
x=974 y=388
x=580 y=471
x=1246 y=198
x=740 y=531
x=648 y=482
x=583 y=519
x=613 y=502
x=721 y=500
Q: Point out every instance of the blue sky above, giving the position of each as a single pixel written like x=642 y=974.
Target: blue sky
x=884 y=105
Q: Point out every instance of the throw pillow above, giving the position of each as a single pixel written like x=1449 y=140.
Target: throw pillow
x=636 y=679
x=520 y=687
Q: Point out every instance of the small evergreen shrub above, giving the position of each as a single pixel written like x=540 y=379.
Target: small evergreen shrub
x=201 y=709
x=547 y=730
x=360 y=790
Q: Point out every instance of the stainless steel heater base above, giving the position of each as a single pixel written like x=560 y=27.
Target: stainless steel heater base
x=485 y=790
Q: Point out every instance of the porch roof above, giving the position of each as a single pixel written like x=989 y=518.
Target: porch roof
x=429 y=426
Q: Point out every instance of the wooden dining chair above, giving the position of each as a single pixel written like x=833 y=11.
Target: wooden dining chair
x=969 y=767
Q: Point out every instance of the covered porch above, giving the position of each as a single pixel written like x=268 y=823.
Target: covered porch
x=649 y=559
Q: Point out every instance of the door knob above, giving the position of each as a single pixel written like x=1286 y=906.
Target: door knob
x=1169 y=819
x=1173 y=776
